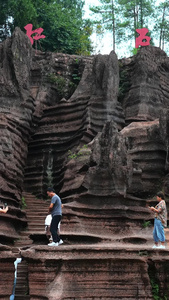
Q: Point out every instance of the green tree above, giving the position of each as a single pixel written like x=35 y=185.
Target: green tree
x=123 y=17
x=136 y=14
x=162 y=23
x=4 y=22
x=15 y=13
x=64 y=28
x=22 y=12
x=108 y=18
x=62 y=21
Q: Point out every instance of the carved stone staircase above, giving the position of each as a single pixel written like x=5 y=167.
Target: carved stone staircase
x=22 y=286
x=36 y=211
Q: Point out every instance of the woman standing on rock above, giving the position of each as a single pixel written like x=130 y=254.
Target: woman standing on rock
x=160 y=221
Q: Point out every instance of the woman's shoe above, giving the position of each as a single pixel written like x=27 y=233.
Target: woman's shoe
x=161 y=247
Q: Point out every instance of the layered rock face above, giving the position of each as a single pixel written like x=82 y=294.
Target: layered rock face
x=148 y=93
x=94 y=120
x=91 y=273
x=15 y=122
x=7 y=259
x=96 y=129
x=74 y=121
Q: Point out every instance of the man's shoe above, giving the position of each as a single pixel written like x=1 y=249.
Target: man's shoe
x=155 y=247
x=60 y=242
x=53 y=244
x=161 y=247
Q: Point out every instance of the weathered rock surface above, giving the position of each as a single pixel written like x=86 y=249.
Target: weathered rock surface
x=96 y=129
x=95 y=272
x=7 y=258
x=148 y=93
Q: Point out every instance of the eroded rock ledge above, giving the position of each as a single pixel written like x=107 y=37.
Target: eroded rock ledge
x=106 y=271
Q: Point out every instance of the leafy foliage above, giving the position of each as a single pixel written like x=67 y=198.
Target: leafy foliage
x=146 y=224
x=162 y=23
x=124 y=83
x=135 y=14
x=66 y=31
x=123 y=17
x=62 y=21
x=24 y=205
x=108 y=18
x=79 y=153
x=59 y=81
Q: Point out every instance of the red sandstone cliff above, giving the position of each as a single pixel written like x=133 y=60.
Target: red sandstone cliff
x=96 y=129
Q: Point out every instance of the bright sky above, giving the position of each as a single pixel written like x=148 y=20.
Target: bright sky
x=101 y=45
x=104 y=44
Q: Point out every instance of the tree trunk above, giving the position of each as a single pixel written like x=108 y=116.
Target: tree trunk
x=114 y=31
x=162 y=29
x=141 y=11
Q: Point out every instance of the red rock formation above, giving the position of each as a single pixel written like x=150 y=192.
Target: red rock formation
x=65 y=123
x=95 y=272
x=15 y=119
x=148 y=93
x=7 y=259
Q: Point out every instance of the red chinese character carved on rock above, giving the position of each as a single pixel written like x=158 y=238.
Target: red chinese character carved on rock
x=38 y=32
x=142 y=36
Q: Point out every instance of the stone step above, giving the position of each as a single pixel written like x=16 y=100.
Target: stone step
x=24 y=234
x=37 y=221
x=22 y=288
x=36 y=212
x=21 y=297
x=24 y=244
x=36 y=229
x=40 y=225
